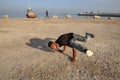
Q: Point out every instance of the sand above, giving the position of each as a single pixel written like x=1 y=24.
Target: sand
x=24 y=54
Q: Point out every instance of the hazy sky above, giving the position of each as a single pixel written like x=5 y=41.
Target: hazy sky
x=62 y=6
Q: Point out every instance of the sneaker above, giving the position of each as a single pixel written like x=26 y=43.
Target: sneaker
x=89 y=53
x=90 y=34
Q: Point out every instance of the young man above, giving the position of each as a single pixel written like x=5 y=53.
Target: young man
x=69 y=39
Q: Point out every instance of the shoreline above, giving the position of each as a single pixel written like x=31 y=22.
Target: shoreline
x=81 y=20
x=60 y=16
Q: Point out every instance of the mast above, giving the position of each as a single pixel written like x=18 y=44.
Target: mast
x=29 y=5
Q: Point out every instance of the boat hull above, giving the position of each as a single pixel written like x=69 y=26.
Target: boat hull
x=31 y=15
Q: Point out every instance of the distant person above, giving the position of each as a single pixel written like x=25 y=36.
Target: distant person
x=69 y=39
x=47 y=14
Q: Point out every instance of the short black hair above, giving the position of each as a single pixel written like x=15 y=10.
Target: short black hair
x=50 y=43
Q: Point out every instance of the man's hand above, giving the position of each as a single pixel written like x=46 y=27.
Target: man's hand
x=60 y=51
x=64 y=48
x=73 y=59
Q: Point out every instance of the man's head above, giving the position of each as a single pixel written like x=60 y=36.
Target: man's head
x=53 y=45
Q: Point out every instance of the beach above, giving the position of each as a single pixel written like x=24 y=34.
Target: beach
x=25 y=55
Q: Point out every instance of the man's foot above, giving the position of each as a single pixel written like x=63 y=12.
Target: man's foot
x=89 y=53
x=90 y=34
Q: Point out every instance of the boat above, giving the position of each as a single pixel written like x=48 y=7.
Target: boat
x=30 y=13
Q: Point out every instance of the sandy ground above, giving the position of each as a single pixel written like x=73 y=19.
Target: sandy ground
x=24 y=54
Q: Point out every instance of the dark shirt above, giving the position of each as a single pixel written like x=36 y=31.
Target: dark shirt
x=64 y=39
x=46 y=13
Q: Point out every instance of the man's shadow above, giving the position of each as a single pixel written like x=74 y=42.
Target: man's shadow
x=40 y=44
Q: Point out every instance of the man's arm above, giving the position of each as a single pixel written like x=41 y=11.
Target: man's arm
x=64 y=48
x=74 y=54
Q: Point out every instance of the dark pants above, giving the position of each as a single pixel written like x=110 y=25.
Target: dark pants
x=79 y=38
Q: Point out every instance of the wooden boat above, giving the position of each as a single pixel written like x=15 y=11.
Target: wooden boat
x=30 y=13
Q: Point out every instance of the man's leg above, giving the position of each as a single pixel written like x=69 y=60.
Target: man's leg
x=78 y=46
x=81 y=48
x=83 y=38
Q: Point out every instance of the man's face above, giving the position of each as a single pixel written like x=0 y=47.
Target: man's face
x=54 y=46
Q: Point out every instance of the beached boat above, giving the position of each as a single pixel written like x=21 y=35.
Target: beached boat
x=30 y=13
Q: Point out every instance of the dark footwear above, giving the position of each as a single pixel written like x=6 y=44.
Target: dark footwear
x=90 y=34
